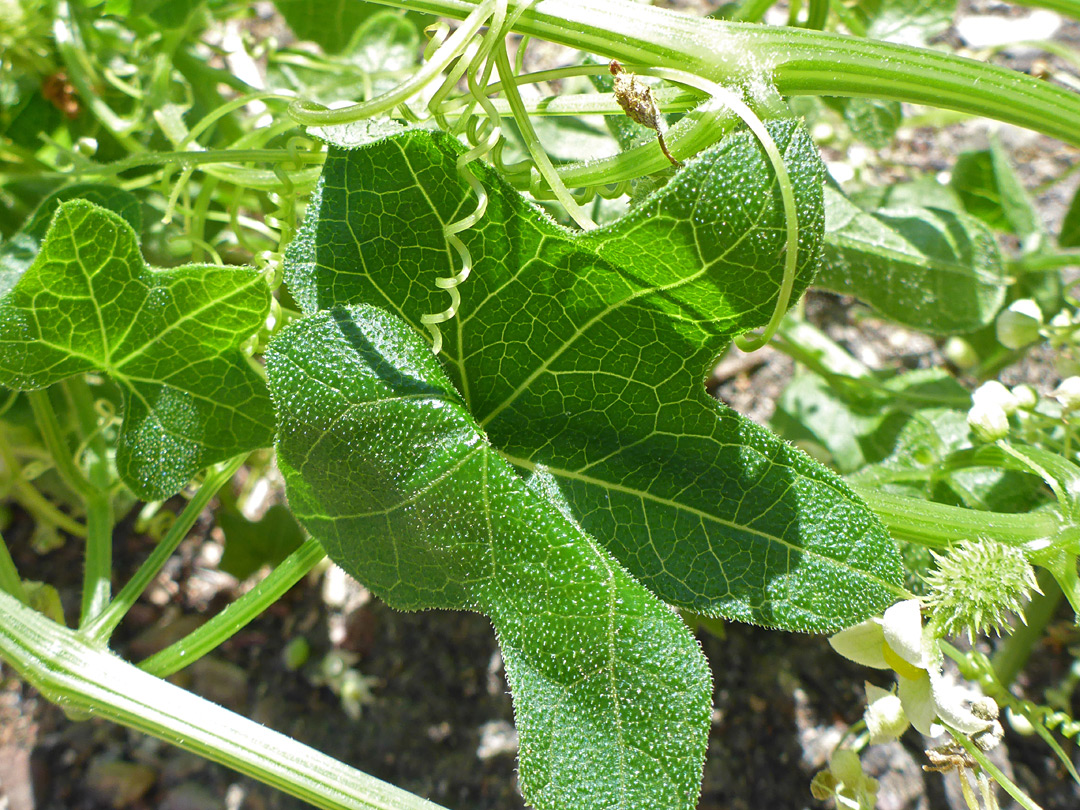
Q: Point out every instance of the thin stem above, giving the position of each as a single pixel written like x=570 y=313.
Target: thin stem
x=995 y=773
x=783 y=182
x=102 y=627
x=77 y=674
x=938 y=525
x=238 y=614
x=97 y=573
x=1043 y=262
x=32 y=500
x=53 y=436
x=1013 y=653
x=97 y=577
x=10 y=581
x=532 y=142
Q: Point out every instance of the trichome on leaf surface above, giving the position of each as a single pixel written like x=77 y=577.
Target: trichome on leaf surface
x=478 y=352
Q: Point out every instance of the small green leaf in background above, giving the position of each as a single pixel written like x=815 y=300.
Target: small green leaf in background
x=859 y=424
x=249 y=545
x=1070 y=227
x=333 y=24
x=385 y=466
x=907 y=22
x=990 y=190
x=19 y=252
x=872 y=121
x=585 y=355
x=923 y=464
x=168 y=338
x=931 y=269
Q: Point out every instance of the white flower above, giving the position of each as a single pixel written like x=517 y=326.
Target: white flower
x=988 y=422
x=897 y=641
x=995 y=395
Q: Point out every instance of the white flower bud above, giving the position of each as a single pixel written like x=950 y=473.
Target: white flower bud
x=885 y=718
x=1019 y=325
x=960 y=353
x=994 y=394
x=1026 y=397
x=988 y=422
x=1068 y=393
x=1063 y=320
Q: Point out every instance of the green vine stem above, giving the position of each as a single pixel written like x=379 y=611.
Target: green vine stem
x=10 y=582
x=82 y=676
x=937 y=525
x=1013 y=652
x=993 y=770
x=238 y=614
x=97 y=572
x=105 y=622
x=797 y=61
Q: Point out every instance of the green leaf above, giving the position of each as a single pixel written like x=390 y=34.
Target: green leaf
x=932 y=269
x=934 y=459
x=252 y=544
x=990 y=190
x=334 y=23
x=1070 y=227
x=386 y=467
x=18 y=252
x=859 y=423
x=169 y=338
x=907 y=22
x=585 y=354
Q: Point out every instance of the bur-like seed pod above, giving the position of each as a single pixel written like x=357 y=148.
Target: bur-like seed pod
x=975 y=587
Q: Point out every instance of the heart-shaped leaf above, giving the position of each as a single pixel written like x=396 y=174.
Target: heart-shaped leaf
x=386 y=467
x=169 y=338
x=585 y=354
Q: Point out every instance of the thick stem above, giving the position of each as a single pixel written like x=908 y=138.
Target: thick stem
x=237 y=615
x=798 y=61
x=77 y=674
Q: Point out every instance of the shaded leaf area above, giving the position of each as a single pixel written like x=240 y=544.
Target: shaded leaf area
x=933 y=269
x=386 y=467
x=250 y=544
x=336 y=24
x=858 y=421
x=383 y=46
x=990 y=190
x=873 y=121
x=585 y=354
x=168 y=338
x=19 y=252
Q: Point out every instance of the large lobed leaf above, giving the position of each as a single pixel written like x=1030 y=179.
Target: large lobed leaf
x=386 y=467
x=585 y=355
x=169 y=338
